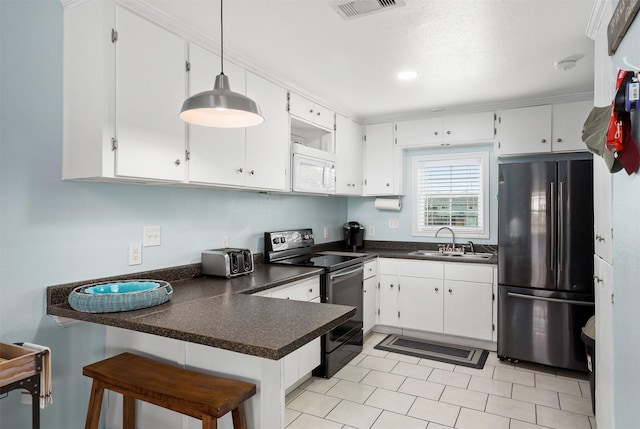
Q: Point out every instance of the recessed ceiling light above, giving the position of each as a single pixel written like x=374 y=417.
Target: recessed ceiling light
x=407 y=75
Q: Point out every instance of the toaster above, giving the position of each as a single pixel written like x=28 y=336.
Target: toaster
x=227 y=262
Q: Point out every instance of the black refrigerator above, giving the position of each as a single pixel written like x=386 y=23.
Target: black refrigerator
x=545 y=262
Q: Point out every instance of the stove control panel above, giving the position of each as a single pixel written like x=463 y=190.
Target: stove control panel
x=287 y=240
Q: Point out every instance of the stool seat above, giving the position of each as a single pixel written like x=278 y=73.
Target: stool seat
x=202 y=396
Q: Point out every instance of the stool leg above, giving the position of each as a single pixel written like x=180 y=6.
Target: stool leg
x=209 y=422
x=128 y=412
x=239 y=417
x=95 y=403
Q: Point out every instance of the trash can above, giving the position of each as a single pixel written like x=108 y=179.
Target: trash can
x=588 y=335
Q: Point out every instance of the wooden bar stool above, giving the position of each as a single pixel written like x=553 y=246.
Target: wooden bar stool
x=202 y=396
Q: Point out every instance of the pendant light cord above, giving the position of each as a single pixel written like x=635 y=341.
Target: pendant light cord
x=221 y=40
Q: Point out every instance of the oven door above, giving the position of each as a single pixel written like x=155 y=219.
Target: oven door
x=344 y=287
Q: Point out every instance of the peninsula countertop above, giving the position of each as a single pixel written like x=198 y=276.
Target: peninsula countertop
x=220 y=312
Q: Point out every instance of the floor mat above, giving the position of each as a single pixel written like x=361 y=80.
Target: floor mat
x=457 y=355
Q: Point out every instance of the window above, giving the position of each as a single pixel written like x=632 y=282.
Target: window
x=451 y=192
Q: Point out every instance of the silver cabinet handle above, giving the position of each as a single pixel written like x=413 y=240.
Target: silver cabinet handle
x=559 y=140
x=437 y=290
x=252 y=172
x=543 y=140
x=177 y=162
x=451 y=291
x=240 y=170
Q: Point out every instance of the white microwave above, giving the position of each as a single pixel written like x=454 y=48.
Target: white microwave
x=313 y=171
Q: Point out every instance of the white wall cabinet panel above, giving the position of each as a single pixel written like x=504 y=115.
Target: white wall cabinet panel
x=383 y=163
x=567 y=122
x=419 y=132
x=150 y=64
x=388 y=297
x=216 y=155
x=602 y=209
x=267 y=144
x=310 y=111
x=524 y=130
x=349 y=153
x=470 y=127
x=468 y=309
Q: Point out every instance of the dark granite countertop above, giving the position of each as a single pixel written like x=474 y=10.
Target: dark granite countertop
x=220 y=312
x=401 y=250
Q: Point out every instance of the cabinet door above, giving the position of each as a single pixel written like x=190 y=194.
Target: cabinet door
x=349 y=150
x=419 y=132
x=604 y=324
x=301 y=107
x=567 y=122
x=523 y=131
x=420 y=303
x=468 y=309
x=379 y=159
x=472 y=127
x=150 y=73
x=267 y=144
x=369 y=304
x=216 y=155
x=388 y=299
x=602 y=209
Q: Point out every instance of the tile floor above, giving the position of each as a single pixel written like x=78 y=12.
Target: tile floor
x=380 y=390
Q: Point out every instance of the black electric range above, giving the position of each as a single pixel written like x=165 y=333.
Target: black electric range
x=341 y=283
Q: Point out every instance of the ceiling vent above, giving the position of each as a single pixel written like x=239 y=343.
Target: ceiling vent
x=357 y=8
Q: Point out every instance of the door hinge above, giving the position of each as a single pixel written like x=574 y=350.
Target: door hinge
x=378 y=285
x=493 y=327
x=114 y=143
x=288 y=101
x=493 y=297
x=187 y=155
x=398 y=287
x=114 y=35
x=499 y=145
x=187 y=66
x=378 y=312
x=495 y=132
x=335 y=126
x=398 y=314
x=611 y=298
x=364 y=137
x=395 y=140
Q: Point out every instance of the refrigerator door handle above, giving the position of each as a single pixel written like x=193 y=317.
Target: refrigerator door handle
x=553 y=225
x=561 y=226
x=542 y=298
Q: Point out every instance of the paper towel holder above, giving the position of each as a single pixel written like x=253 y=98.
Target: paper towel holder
x=388 y=204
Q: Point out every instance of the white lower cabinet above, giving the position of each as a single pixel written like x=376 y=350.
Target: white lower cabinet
x=299 y=363
x=370 y=302
x=447 y=298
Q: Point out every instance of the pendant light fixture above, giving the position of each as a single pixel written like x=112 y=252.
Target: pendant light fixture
x=221 y=107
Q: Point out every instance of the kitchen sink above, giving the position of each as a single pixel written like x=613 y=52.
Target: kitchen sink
x=450 y=255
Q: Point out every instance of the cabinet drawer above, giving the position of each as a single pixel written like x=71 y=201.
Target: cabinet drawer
x=388 y=266
x=305 y=290
x=427 y=269
x=371 y=269
x=469 y=272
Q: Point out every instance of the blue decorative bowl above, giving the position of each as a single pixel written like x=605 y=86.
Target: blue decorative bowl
x=122 y=295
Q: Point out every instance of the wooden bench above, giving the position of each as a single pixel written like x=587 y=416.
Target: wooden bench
x=202 y=396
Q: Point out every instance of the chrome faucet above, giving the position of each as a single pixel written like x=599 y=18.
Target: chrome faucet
x=453 y=237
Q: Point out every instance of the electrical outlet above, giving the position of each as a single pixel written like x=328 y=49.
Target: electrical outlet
x=372 y=231
x=394 y=223
x=326 y=232
x=224 y=242
x=151 y=236
x=135 y=253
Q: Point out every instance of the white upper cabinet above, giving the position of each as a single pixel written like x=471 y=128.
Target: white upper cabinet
x=464 y=128
x=120 y=106
x=419 y=132
x=524 y=130
x=468 y=128
x=310 y=111
x=267 y=145
x=149 y=93
x=542 y=129
x=383 y=162
x=349 y=153
x=216 y=155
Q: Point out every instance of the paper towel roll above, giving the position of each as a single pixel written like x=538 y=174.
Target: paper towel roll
x=387 y=203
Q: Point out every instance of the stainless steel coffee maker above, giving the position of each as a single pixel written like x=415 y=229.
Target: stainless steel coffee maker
x=353 y=235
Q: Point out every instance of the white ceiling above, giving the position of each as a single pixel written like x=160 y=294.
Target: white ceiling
x=466 y=52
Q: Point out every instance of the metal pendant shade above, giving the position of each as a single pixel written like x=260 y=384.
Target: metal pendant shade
x=221 y=107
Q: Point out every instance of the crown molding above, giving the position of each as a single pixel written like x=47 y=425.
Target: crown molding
x=596 y=19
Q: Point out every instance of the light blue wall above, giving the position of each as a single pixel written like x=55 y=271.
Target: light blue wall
x=362 y=210
x=55 y=232
x=626 y=266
